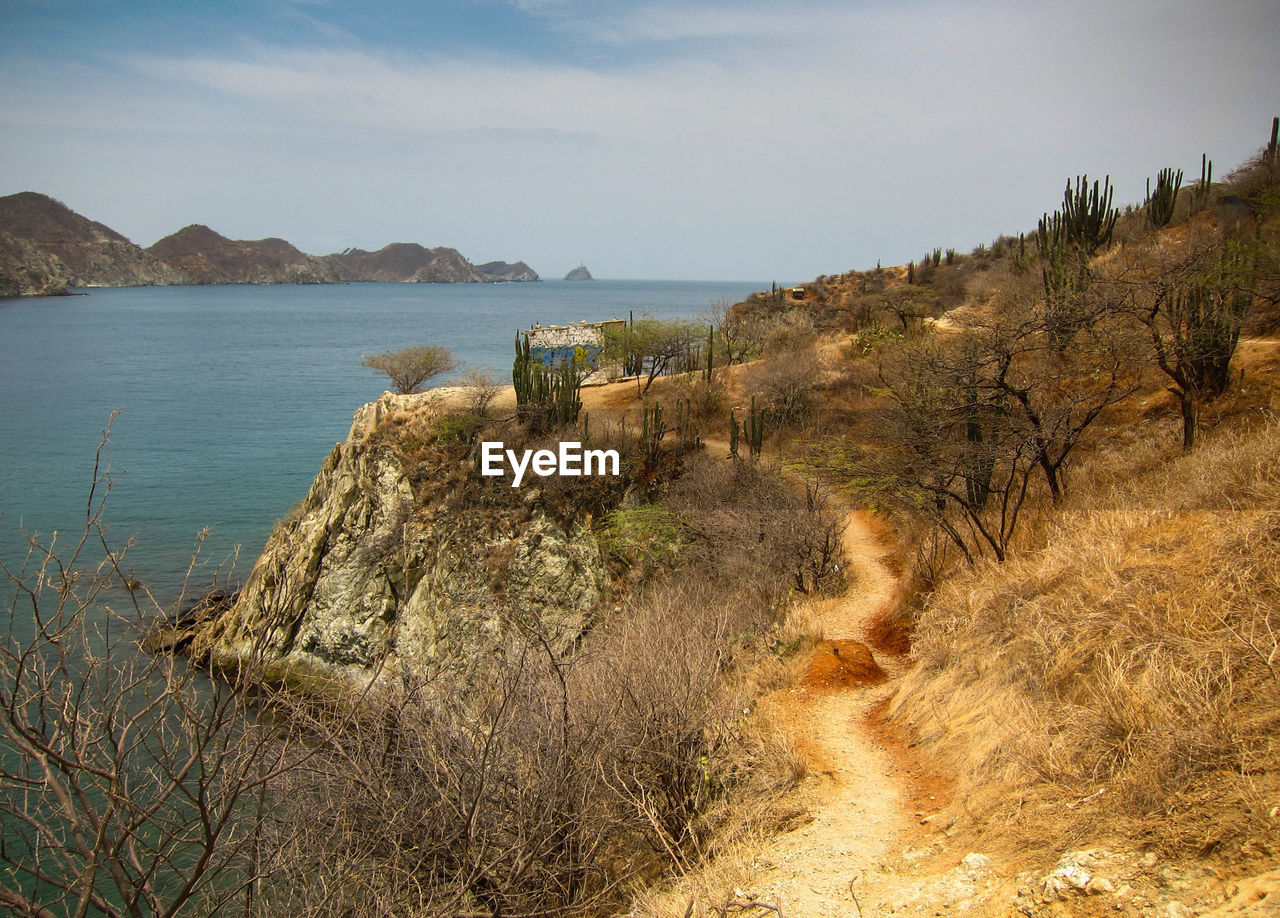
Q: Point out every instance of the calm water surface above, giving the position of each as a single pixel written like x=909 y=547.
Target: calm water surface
x=231 y=397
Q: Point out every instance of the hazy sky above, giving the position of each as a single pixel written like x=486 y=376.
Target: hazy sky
x=715 y=140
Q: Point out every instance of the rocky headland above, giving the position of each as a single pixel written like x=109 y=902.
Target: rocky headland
x=382 y=564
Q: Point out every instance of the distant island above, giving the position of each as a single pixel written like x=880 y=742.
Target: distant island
x=46 y=248
x=579 y=273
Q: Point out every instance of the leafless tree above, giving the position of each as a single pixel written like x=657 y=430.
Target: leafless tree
x=129 y=784
x=482 y=388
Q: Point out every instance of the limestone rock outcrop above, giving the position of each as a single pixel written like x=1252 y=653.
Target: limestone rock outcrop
x=374 y=567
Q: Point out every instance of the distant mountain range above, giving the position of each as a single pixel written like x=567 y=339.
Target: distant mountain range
x=45 y=247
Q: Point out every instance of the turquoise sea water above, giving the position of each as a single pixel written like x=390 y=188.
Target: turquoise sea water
x=232 y=396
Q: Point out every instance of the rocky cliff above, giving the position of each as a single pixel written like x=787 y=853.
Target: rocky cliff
x=46 y=247
x=579 y=273
x=379 y=562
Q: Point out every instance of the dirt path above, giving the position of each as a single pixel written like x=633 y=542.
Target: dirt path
x=858 y=799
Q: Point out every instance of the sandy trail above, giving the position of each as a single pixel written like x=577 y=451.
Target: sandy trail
x=857 y=801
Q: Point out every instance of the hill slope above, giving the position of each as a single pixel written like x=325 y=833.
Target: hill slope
x=45 y=247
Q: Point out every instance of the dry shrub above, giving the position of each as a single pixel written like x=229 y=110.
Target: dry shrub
x=788 y=386
x=1134 y=656
x=749 y=525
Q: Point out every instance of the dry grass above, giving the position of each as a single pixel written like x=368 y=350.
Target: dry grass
x=1133 y=660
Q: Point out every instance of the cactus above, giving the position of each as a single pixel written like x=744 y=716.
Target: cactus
x=911 y=272
x=711 y=352
x=1088 y=218
x=652 y=431
x=1161 y=202
x=522 y=371
x=1201 y=197
x=734 y=430
x=937 y=257
x=753 y=427
x=951 y=256
x=545 y=398
x=688 y=436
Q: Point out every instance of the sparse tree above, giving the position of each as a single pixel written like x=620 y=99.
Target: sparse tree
x=654 y=346
x=1192 y=301
x=482 y=388
x=413 y=367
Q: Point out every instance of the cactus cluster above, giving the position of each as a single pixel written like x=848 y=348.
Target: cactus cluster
x=1161 y=202
x=1086 y=219
x=1066 y=240
x=688 y=431
x=545 y=398
x=652 y=431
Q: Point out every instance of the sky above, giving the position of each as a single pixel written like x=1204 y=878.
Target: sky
x=649 y=139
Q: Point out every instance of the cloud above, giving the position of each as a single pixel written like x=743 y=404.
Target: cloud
x=820 y=135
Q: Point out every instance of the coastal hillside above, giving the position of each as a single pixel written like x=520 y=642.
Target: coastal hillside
x=45 y=248
x=405 y=262
x=202 y=256
x=940 y=588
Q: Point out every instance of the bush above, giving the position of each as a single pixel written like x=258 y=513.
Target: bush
x=410 y=369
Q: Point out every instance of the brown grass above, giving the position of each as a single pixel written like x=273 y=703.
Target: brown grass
x=1129 y=669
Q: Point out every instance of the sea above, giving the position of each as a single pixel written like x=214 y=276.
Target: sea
x=227 y=399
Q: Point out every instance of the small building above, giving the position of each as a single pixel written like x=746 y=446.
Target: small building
x=556 y=345
x=797 y=293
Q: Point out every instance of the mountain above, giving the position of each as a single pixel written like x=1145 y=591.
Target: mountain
x=46 y=247
x=405 y=261
x=206 y=257
x=579 y=273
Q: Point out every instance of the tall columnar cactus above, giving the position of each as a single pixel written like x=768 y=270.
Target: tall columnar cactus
x=688 y=434
x=711 y=352
x=911 y=272
x=1201 y=197
x=1162 y=201
x=545 y=398
x=1066 y=240
x=1088 y=218
x=734 y=431
x=753 y=427
x=652 y=431
x=522 y=371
